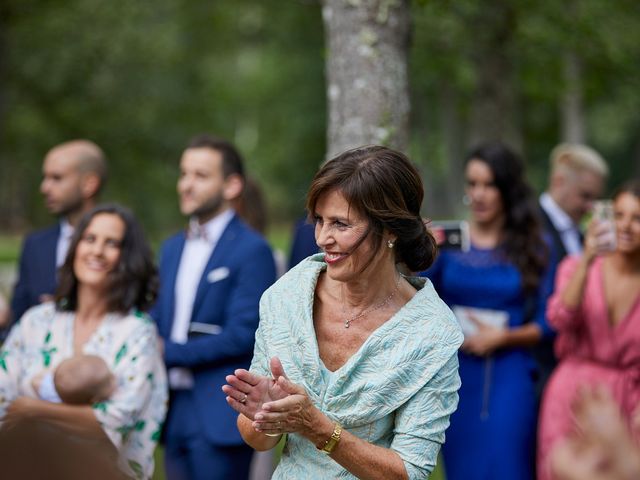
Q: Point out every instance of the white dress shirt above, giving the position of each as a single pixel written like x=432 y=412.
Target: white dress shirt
x=64 y=241
x=194 y=259
x=568 y=230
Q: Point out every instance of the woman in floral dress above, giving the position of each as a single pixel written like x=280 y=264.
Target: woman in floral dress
x=106 y=282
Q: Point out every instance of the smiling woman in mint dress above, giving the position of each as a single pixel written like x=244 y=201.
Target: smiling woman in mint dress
x=364 y=358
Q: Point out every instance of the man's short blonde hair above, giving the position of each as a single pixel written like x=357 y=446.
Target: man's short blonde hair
x=576 y=157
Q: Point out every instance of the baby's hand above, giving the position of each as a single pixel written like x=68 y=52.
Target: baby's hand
x=36 y=381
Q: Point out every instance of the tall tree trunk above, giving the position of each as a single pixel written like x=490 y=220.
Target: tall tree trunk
x=573 y=118
x=367 y=82
x=494 y=114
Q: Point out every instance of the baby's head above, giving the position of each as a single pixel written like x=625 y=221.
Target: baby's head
x=84 y=379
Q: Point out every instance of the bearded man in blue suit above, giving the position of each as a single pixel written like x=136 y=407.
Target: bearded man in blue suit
x=211 y=279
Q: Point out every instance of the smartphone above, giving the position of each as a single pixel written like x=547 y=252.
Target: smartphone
x=603 y=213
x=453 y=234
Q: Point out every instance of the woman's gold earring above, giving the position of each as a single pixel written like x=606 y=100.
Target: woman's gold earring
x=390 y=243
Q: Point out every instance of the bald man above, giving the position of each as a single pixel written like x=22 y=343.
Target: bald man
x=73 y=174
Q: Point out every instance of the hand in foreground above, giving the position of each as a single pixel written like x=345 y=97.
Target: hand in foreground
x=487 y=340
x=572 y=459
x=247 y=392
x=598 y=416
x=21 y=408
x=602 y=447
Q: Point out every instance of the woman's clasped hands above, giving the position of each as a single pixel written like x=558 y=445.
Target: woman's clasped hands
x=274 y=404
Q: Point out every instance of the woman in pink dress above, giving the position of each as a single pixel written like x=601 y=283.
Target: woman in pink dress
x=596 y=312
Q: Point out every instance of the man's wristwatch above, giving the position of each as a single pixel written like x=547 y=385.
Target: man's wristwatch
x=334 y=439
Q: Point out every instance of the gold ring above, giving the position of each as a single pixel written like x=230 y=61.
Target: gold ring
x=243 y=399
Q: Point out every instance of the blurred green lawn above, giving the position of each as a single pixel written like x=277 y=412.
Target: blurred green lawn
x=9 y=248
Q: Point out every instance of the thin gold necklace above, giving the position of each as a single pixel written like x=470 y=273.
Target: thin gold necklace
x=347 y=322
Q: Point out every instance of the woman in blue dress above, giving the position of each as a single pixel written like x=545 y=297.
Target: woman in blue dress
x=498 y=291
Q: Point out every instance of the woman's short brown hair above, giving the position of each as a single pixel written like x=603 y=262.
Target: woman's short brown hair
x=385 y=187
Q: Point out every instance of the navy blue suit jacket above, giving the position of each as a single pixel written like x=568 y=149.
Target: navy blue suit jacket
x=36 y=271
x=243 y=268
x=549 y=228
x=543 y=351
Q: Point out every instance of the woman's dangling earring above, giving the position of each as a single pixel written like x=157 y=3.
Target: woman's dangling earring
x=390 y=243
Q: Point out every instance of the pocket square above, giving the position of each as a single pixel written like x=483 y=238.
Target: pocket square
x=217 y=274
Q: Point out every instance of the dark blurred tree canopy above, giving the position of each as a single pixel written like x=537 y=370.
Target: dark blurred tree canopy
x=140 y=78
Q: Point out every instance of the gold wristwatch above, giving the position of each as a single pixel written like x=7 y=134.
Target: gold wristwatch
x=330 y=444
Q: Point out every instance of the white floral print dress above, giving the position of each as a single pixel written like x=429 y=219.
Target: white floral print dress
x=132 y=417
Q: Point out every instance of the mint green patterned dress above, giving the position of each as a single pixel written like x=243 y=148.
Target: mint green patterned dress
x=397 y=391
x=133 y=415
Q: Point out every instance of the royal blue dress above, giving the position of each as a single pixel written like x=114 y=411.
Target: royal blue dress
x=492 y=434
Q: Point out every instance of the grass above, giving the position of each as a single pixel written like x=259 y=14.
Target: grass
x=158 y=471
x=438 y=473
x=9 y=248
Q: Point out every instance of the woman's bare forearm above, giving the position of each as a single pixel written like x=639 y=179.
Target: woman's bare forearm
x=363 y=459
x=256 y=440
x=367 y=461
x=526 y=335
x=574 y=290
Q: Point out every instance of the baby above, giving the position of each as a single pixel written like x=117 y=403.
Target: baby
x=79 y=380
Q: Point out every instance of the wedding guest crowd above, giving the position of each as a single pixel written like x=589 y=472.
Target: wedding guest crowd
x=352 y=359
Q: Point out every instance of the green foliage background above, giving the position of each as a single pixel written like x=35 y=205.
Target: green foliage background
x=141 y=77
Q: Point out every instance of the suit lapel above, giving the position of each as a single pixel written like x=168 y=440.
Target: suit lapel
x=556 y=238
x=222 y=251
x=171 y=275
